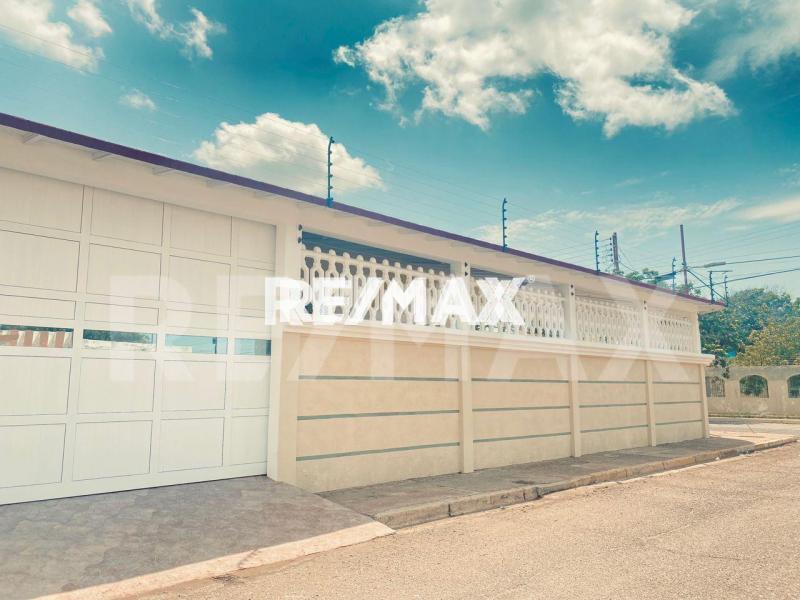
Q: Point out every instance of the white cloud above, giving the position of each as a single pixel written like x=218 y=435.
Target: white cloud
x=191 y=35
x=28 y=25
x=286 y=153
x=773 y=33
x=87 y=14
x=474 y=58
x=640 y=222
x=138 y=100
x=785 y=211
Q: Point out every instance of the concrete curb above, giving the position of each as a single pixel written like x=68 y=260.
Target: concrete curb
x=434 y=511
x=228 y=564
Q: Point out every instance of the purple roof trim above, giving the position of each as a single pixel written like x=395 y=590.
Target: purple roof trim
x=193 y=169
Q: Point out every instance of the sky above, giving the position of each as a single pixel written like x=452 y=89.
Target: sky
x=626 y=116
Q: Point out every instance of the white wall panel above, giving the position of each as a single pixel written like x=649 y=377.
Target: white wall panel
x=248 y=440
x=34 y=385
x=195 y=281
x=110 y=385
x=40 y=262
x=115 y=313
x=201 y=231
x=111 y=449
x=193 y=385
x=31 y=454
x=191 y=444
x=123 y=272
x=250 y=385
x=257 y=241
x=37 y=307
x=127 y=217
x=34 y=200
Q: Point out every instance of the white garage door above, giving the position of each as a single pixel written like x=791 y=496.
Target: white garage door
x=133 y=350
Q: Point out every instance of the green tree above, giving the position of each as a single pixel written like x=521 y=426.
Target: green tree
x=728 y=332
x=776 y=344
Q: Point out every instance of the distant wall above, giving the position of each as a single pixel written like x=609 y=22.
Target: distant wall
x=777 y=403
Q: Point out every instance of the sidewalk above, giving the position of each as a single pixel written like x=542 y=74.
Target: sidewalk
x=406 y=503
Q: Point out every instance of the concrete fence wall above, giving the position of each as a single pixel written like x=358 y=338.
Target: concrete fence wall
x=777 y=402
x=369 y=410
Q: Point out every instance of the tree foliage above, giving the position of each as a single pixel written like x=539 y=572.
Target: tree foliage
x=776 y=344
x=728 y=332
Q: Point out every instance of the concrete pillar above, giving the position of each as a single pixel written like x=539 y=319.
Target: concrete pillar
x=467 y=416
x=574 y=404
x=282 y=434
x=651 y=409
x=701 y=374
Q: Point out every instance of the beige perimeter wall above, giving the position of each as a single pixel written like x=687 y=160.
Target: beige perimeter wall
x=370 y=411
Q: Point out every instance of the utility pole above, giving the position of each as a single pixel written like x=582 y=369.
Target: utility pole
x=725 y=283
x=505 y=225
x=685 y=264
x=615 y=252
x=330 y=176
x=597 y=251
x=674 y=273
x=711 y=284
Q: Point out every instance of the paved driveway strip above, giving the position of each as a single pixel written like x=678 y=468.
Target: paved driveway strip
x=62 y=545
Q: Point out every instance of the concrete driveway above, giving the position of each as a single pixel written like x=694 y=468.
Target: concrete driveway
x=723 y=530
x=162 y=535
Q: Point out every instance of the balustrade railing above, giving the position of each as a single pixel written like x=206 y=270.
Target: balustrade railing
x=608 y=322
x=543 y=309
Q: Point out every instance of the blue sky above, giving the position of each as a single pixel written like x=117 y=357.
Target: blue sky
x=631 y=116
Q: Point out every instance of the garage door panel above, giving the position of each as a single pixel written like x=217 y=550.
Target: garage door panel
x=31 y=454
x=257 y=241
x=112 y=449
x=34 y=385
x=250 y=385
x=126 y=217
x=191 y=444
x=248 y=440
x=113 y=313
x=112 y=385
x=123 y=272
x=98 y=414
x=195 y=281
x=35 y=261
x=34 y=200
x=201 y=231
x=194 y=385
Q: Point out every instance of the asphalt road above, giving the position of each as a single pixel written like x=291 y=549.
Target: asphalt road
x=725 y=530
x=753 y=426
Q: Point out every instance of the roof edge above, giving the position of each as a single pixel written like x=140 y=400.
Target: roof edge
x=159 y=160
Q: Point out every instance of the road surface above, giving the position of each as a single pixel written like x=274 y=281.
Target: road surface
x=726 y=530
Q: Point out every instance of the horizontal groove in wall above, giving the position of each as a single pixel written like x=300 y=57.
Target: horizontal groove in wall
x=680 y=422
x=680 y=402
x=614 y=428
x=371 y=378
x=509 y=408
x=676 y=382
x=633 y=382
x=521 y=437
x=378 y=451
x=623 y=404
x=378 y=414
x=509 y=380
